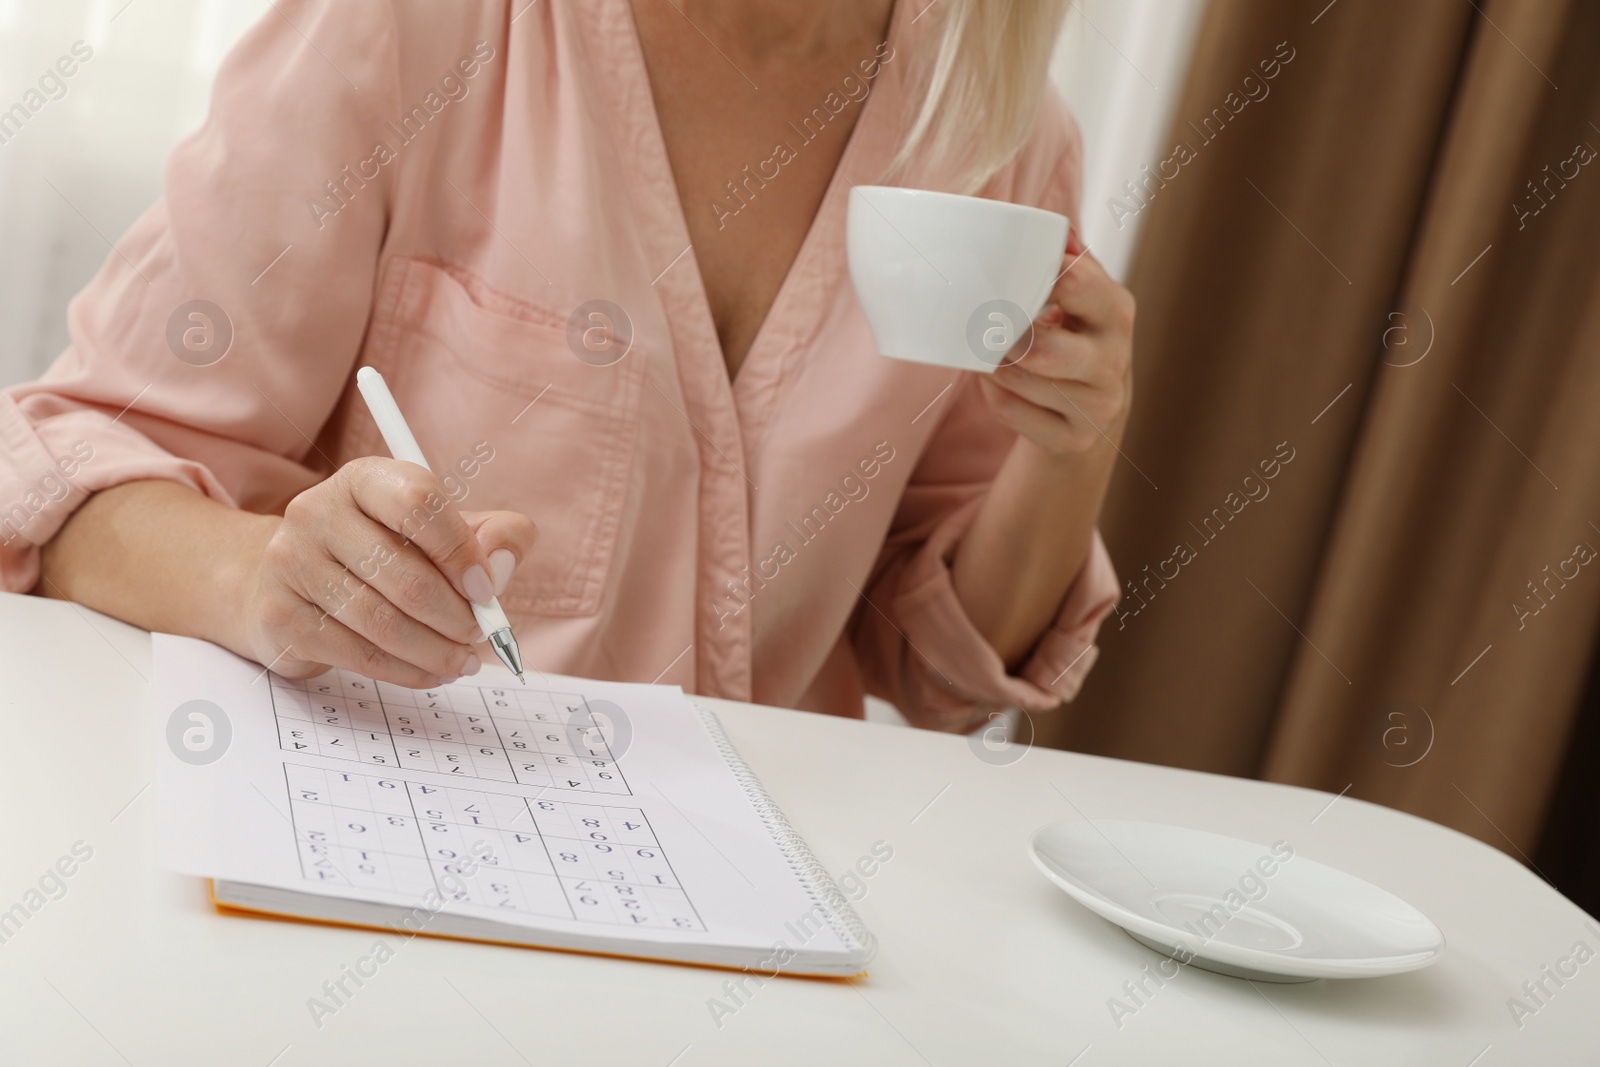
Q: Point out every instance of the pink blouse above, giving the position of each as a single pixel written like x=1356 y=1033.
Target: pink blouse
x=452 y=198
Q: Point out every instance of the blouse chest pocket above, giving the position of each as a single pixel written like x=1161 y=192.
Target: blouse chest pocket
x=511 y=419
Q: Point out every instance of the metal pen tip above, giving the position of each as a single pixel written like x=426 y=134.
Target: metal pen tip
x=505 y=646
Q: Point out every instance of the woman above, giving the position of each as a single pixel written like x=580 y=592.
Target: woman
x=597 y=249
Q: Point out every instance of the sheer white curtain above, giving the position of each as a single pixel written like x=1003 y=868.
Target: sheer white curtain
x=83 y=157
x=1121 y=65
x=76 y=171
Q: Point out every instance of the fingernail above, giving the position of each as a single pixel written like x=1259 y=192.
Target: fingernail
x=471 y=667
x=476 y=583
x=502 y=561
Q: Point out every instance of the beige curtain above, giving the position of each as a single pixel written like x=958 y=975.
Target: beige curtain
x=1375 y=276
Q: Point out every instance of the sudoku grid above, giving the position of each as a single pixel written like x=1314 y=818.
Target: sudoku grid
x=524 y=735
x=542 y=857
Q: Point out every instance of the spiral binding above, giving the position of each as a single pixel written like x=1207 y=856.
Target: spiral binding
x=814 y=877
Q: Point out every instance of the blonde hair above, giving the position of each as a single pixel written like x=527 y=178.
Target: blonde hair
x=981 y=85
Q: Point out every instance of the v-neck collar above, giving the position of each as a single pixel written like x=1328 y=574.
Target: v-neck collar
x=727 y=420
x=817 y=267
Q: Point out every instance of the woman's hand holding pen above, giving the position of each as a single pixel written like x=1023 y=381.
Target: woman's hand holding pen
x=373 y=570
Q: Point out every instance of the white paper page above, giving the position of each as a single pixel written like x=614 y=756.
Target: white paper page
x=485 y=793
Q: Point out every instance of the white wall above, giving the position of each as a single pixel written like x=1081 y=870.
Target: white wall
x=103 y=144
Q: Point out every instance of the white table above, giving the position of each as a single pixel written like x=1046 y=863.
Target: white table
x=981 y=961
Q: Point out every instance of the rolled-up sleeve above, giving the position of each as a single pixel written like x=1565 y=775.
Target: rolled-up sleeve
x=213 y=344
x=919 y=649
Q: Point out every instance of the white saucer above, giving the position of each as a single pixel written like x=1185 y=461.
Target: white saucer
x=1232 y=906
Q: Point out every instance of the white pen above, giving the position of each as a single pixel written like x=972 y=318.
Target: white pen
x=403 y=446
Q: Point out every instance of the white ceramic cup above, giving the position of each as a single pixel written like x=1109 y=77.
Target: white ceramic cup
x=950 y=280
